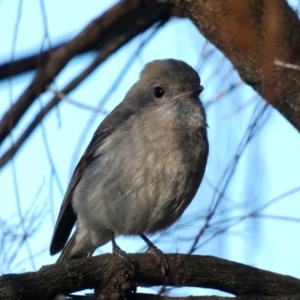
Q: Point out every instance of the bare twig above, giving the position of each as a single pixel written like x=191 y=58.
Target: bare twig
x=122 y=22
x=286 y=65
x=134 y=24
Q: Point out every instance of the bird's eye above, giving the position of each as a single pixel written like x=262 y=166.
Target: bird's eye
x=158 y=92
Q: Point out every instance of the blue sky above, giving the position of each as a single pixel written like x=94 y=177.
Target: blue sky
x=268 y=167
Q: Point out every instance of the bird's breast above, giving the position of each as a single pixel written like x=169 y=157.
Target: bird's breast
x=147 y=172
x=161 y=174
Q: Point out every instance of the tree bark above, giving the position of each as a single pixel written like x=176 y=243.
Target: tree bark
x=254 y=35
x=108 y=273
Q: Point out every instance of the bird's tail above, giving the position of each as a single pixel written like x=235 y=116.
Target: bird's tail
x=67 y=252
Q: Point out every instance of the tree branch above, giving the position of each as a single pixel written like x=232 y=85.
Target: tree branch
x=126 y=19
x=141 y=296
x=29 y=63
x=253 y=35
x=246 y=297
x=185 y=270
x=106 y=50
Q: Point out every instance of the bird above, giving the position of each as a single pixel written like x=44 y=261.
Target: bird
x=142 y=167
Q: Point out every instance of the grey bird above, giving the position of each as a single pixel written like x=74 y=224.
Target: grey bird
x=143 y=165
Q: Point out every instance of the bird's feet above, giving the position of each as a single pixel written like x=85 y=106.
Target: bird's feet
x=122 y=254
x=121 y=284
x=159 y=255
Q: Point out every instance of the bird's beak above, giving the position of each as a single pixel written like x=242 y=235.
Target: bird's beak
x=195 y=91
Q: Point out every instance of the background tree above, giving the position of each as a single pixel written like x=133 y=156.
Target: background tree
x=50 y=111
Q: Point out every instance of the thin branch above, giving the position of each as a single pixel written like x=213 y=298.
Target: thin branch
x=79 y=104
x=123 y=21
x=255 y=125
x=117 y=40
x=286 y=65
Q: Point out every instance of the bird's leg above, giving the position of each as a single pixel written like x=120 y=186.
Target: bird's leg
x=118 y=251
x=158 y=254
x=122 y=283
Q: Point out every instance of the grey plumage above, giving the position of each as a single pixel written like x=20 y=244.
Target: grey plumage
x=143 y=166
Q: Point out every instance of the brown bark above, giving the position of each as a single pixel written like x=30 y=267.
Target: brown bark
x=253 y=34
x=108 y=274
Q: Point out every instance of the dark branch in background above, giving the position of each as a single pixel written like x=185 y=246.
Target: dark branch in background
x=185 y=270
x=111 y=31
x=270 y=33
x=253 y=50
x=105 y=52
x=26 y=64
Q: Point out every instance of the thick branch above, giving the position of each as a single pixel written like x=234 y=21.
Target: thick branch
x=126 y=19
x=185 y=270
x=253 y=34
x=140 y=296
x=246 y=297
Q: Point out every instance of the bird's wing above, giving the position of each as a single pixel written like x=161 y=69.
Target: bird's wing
x=67 y=217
